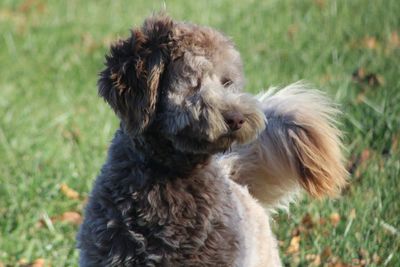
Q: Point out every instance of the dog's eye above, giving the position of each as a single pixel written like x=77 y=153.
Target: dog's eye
x=226 y=82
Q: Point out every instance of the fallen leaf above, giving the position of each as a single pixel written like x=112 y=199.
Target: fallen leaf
x=69 y=192
x=307 y=221
x=310 y=257
x=361 y=77
x=108 y=40
x=22 y=262
x=88 y=42
x=352 y=214
x=72 y=217
x=394 y=40
x=73 y=134
x=326 y=78
x=39 y=263
x=294 y=245
x=358 y=262
x=27 y=6
x=338 y=264
x=320 y=3
x=316 y=261
x=363 y=256
x=36 y=263
x=353 y=163
x=326 y=253
x=376 y=259
x=298 y=230
x=374 y=80
x=395 y=143
x=334 y=218
x=360 y=97
x=359 y=74
x=365 y=155
x=292 y=30
x=370 y=42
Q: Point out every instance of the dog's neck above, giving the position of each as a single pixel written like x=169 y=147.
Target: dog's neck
x=161 y=158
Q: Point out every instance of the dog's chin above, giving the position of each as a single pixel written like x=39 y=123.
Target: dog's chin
x=242 y=137
x=187 y=143
x=191 y=145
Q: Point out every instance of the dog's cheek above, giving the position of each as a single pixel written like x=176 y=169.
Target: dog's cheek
x=213 y=124
x=174 y=121
x=211 y=115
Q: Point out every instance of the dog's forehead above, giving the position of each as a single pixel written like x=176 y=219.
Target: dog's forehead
x=201 y=39
x=209 y=43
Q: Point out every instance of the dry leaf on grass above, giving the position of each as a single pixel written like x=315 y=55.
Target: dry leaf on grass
x=39 y=263
x=357 y=161
x=315 y=260
x=358 y=75
x=69 y=192
x=370 y=42
x=365 y=155
x=376 y=259
x=72 y=134
x=22 y=262
x=395 y=144
x=361 y=77
x=36 y=263
x=320 y=3
x=294 y=245
x=334 y=218
x=352 y=214
x=293 y=29
x=72 y=217
x=326 y=254
x=88 y=42
x=394 y=40
x=338 y=264
x=307 y=221
x=358 y=263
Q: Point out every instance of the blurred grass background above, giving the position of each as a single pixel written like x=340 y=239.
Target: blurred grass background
x=54 y=130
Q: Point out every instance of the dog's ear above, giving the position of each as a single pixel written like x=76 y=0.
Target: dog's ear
x=134 y=67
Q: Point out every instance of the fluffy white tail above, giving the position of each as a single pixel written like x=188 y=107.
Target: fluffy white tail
x=300 y=148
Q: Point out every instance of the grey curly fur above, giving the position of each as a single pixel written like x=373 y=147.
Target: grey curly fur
x=165 y=196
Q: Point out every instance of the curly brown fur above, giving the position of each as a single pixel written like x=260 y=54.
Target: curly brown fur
x=166 y=196
x=160 y=200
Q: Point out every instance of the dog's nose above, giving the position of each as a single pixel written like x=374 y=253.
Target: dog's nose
x=234 y=120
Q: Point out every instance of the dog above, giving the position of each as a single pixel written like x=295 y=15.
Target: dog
x=194 y=152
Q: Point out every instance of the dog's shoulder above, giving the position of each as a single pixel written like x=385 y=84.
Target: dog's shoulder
x=135 y=219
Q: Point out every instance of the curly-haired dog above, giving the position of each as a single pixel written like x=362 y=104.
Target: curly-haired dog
x=165 y=197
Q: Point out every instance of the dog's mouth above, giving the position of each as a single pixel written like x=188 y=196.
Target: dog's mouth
x=188 y=142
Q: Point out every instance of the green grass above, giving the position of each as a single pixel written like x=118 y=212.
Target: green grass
x=54 y=129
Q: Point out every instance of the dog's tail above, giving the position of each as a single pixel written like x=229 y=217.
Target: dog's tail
x=300 y=148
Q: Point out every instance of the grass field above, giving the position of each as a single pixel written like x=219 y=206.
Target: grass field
x=54 y=130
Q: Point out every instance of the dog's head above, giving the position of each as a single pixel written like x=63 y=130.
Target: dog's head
x=183 y=81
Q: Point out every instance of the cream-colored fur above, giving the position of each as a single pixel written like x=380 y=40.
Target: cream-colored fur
x=163 y=197
x=260 y=246
x=300 y=148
